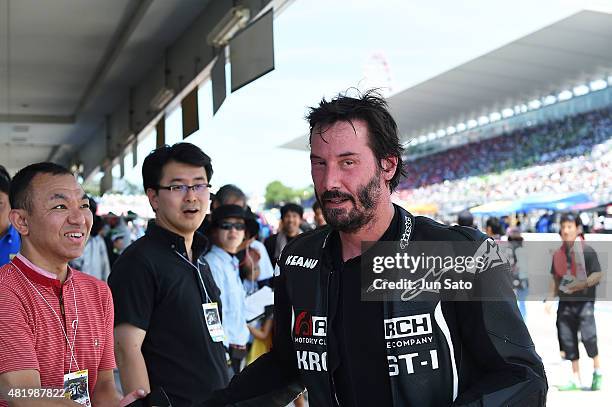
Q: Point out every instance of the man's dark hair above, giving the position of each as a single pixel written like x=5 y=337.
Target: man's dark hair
x=228 y=191
x=185 y=153
x=5 y=180
x=20 y=190
x=291 y=207
x=316 y=206
x=93 y=205
x=465 y=218
x=495 y=225
x=570 y=217
x=372 y=108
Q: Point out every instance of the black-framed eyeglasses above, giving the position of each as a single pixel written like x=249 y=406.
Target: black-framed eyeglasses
x=229 y=225
x=180 y=188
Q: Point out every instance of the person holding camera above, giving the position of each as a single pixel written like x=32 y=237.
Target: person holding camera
x=575 y=273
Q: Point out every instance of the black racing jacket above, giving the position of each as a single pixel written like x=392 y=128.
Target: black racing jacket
x=470 y=353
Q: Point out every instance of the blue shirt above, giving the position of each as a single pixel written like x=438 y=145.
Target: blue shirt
x=9 y=245
x=224 y=269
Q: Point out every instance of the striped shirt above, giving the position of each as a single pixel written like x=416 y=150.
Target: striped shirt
x=32 y=304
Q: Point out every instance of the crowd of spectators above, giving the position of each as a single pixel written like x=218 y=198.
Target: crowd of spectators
x=573 y=155
x=589 y=173
x=562 y=140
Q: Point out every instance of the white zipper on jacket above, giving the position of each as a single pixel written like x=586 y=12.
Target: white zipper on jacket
x=441 y=321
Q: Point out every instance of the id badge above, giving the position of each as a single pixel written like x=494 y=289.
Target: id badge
x=213 y=321
x=76 y=387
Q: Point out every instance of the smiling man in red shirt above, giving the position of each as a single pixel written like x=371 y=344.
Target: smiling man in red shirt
x=56 y=323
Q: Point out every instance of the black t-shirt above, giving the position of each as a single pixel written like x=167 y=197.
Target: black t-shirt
x=356 y=348
x=157 y=290
x=591 y=264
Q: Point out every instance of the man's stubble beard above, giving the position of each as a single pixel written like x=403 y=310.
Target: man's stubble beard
x=356 y=218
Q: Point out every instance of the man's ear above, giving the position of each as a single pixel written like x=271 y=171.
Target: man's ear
x=19 y=220
x=153 y=198
x=389 y=167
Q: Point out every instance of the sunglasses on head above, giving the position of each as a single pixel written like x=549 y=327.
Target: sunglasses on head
x=229 y=225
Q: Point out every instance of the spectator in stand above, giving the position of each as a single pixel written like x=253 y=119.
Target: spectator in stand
x=579 y=174
x=557 y=140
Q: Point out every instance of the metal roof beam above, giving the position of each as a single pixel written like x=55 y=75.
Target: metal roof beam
x=36 y=119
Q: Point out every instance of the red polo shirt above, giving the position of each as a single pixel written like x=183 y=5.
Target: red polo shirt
x=31 y=336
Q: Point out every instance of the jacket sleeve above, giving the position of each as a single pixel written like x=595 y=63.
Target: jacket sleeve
x=498 y=342
x=273 y=379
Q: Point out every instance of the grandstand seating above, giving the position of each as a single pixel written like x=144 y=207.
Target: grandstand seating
x=553 y=141
x=572 y=155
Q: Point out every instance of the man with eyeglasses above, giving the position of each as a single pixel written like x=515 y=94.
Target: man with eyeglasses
x=228 y=225
x=167 y=305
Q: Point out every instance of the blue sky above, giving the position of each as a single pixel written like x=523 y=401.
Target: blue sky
x=323 y=47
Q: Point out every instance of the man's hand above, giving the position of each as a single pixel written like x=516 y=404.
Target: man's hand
x=29 y=379
x=575 y=286
x=245 y=243
x=132 y=397
x=548 y=308
x=132 y=367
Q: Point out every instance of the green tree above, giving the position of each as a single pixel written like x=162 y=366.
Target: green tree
x=305 y=194
x=277 y=193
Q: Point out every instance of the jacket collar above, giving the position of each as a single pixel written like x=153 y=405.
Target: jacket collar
x=400 y=229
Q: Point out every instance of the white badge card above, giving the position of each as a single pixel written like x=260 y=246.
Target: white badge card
x=76 y=387
x=213 y=321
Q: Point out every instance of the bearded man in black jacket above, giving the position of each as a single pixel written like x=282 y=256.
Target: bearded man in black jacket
x=407 y=352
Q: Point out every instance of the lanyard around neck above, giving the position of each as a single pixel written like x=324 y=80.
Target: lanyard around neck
x=61 y=325
x=208 y=299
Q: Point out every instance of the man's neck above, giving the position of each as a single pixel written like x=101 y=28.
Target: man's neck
x=291 y=234
x=57 y=267
x=351 y=242
x=188 y=244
